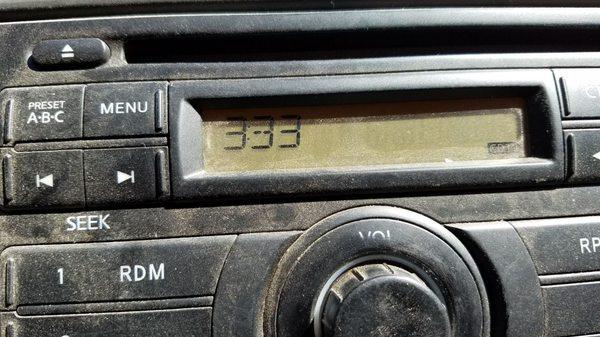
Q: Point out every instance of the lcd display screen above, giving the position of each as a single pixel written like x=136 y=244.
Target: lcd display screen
x=358 y=135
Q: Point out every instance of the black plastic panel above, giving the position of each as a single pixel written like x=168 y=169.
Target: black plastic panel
x=243 y=293
x=516 y=306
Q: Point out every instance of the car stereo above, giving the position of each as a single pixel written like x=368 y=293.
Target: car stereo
x=359 y=172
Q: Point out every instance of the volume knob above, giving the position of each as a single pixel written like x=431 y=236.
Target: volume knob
x=383 y=300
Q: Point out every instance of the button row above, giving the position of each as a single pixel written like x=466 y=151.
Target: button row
x=78 y=177
x=85 y=111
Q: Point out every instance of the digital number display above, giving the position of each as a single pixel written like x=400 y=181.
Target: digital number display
x=355 y=135
x=262 y=132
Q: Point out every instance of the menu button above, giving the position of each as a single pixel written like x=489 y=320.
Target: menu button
x=125 y=109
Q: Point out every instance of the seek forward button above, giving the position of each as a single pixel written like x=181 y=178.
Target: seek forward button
x=125 y=175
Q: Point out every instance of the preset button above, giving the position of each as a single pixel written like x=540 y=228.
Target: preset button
x=43 y=113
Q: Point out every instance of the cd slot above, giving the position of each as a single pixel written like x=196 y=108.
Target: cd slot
x=305 y=46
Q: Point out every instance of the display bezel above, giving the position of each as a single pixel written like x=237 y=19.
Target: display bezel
x=545 y=164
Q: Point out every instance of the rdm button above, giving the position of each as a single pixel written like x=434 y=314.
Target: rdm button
x=44 y=113
x=125 y=109
x=100 y=272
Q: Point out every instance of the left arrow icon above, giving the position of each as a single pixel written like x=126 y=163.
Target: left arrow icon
x=47 y=180
x=597 y=155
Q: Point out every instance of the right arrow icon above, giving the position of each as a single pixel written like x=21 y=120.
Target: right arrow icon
x=123 y=177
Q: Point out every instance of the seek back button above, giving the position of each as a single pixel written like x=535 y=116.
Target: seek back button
x=125 y=109
x=43 y=179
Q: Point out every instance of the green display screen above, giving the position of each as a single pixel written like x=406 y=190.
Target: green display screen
x=357 y=135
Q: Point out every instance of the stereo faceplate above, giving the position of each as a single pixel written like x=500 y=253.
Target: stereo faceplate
x=111 y=225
